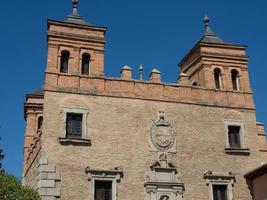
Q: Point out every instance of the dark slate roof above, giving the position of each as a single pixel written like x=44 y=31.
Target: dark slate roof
x=75 y=18
x=211 y=37
x=39 y=92
x=259 y=171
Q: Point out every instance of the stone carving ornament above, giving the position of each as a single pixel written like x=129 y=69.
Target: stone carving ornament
x=162 y=133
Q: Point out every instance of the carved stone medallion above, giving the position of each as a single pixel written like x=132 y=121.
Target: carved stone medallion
x=162 y=133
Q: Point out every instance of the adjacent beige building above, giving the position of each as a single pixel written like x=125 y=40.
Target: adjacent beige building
x=92 y=137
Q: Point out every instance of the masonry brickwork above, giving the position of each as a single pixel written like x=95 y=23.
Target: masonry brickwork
x=120 y=116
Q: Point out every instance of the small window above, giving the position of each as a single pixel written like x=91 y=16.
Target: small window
x=220 y=192
x=235 y=80
x=40 y=123
x=64 y=61
x=194 y=84
x=234 y=137
x=85 y=64
x=103 y=190
x=74 y=125
x=217 y=78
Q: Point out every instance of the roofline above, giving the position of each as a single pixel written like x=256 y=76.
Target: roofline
x=40 y=96
x=209 y=44
x=261 y=170
x=49 y=21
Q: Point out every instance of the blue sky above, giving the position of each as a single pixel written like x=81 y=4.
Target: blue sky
x=156 y=34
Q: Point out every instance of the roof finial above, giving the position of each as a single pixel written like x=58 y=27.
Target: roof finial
x=75 y=7
x=206 y=21
x=75 y=18
x=208 y=30
x=141 y=72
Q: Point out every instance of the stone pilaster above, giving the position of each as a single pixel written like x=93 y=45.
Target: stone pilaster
x=47 y=176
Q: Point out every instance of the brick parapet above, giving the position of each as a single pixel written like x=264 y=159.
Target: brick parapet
x=158 y=91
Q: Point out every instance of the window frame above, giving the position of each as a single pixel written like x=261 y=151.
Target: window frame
x=242 y=135
x=104 y=175
x=233 y=144
x=106 y=181
x=61 y=67
x=63 y=139
x=216 y=185
x=40 y=121
x=74 y=134
x=84 y=55
x=220 y=178
x=215 y=70
x=236 y=80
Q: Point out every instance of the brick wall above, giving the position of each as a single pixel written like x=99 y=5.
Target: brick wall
x=119 y=131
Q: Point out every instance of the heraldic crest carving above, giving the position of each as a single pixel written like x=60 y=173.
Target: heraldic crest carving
x=162 y=134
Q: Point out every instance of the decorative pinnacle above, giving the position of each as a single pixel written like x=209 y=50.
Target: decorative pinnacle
x=75 y=7
x=206 y=21
x=208 y=30
x=141 y=72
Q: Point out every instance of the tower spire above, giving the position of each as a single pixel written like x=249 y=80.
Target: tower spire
x=208 y=30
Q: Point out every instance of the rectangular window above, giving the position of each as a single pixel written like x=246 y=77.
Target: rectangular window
x=219 y=192
x=234 y=137
x=103 y=190
x=74 y=125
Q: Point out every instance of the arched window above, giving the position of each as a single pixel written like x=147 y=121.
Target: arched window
x=85 y=64
x=235 y=81
x=194 y=84
x=217 y=78
x=64 y=61
x=40 y=122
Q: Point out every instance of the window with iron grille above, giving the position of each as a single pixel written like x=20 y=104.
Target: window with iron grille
x=74 y=125
x=234 y=137
x=103 y=190
x=219 y=192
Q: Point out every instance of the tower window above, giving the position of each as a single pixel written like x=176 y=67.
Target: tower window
x=40 y=122
x=103 y=190
x=85 y=64
x=64 y=62
x=234 y=137
x=235 y=81
x=217 y=78
x=74 y=125
x=219 y=192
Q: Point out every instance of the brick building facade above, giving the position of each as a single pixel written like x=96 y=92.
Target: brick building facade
x=93 y=137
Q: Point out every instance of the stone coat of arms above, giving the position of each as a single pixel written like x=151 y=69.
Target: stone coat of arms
x=162 y=135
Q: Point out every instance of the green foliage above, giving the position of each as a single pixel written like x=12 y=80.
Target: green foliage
x=11 y=189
